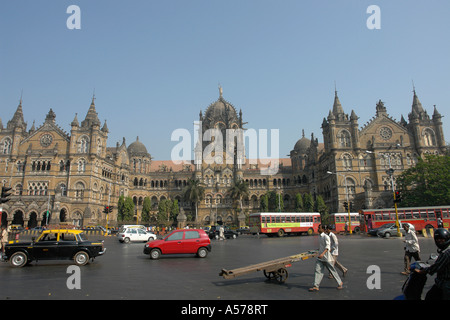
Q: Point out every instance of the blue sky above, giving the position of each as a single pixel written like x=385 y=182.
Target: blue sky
x=155 y=64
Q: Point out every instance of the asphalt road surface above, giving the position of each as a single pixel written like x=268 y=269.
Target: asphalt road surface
x=124 y=272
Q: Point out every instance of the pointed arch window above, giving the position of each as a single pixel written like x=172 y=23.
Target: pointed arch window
x=344 y=139
x=7 y=144
x=83 y=145
x=81 y=165
x=347 y=162
x=429 y=138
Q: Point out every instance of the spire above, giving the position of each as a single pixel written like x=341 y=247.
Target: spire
x=75 y=121
x=416 y=104
x=91 y=116
x=337 y=107
x=436 y=114
x=17 y=119
x=105 y=128
x=220 y=91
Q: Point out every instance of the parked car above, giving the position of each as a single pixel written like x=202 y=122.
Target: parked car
x=189 y=241
x=131 y=234
x=55 y=244
x=228 y=233
x=392 y=230
x=373 y=231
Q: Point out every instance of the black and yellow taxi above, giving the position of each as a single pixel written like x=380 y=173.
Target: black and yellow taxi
x=58 y=244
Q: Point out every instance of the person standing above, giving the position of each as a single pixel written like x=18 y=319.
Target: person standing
x=3 y=239
x=412 y=248
x=334 y=250
x=221 y=233
x=324 y=260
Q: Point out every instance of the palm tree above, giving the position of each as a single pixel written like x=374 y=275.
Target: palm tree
x=238 y=190
x=194 y=192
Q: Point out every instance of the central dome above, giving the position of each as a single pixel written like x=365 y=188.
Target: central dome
x=137 y=148
x=302 y=144
x=220 y=111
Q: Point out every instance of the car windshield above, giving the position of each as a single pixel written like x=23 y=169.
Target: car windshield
x=386 y=225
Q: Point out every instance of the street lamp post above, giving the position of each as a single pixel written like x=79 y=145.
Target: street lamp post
x=390 y=172
x=348 y=203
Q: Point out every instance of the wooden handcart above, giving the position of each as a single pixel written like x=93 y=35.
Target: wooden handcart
x=273 y=270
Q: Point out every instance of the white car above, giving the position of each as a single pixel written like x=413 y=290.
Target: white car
x=128 y=235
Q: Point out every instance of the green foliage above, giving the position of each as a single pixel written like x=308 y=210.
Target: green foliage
x=298 y=203
x=427 y=183
x=308 y=202
x=146 y=208
x=238 y=190
x=264 y=203
x=125 y=207
x=194 y=192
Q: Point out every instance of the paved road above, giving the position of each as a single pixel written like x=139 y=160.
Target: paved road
x=124 y=272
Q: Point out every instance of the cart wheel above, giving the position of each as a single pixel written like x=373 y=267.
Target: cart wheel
x=269 y=275
x=282 y=275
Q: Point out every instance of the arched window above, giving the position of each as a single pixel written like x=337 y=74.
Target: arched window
x=83 y=145
x=79 y=191
x=81 y=165
x=344 y=139
x=7 y=144
x=429 y=138
x=347 y=162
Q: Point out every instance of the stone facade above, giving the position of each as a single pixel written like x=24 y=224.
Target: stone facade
x=74 y=175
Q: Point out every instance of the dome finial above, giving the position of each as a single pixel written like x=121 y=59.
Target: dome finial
x=220 y=91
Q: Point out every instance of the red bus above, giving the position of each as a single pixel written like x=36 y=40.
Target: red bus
x=339 y=221
x=281 y=223
x=420 y=217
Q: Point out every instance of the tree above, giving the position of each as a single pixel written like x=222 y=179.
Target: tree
x=321 y=207
x=308 y=202
x=125 y=208
x=146 y=208
x=298 y=203
x=264 y=203
x=194 y=192
x=427 y=183
x=120 y=206
x=275 y=202
x=164 y=212
x=238 y=190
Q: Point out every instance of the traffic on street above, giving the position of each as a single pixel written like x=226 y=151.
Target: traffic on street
x=131 y=271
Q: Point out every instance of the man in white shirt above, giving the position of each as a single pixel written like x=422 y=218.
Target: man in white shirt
x=324 y=260
x=334 y=249
x=412 y=248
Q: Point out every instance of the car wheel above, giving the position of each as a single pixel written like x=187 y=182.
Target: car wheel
x=126 y=240
x=234 y=236
x=387 y=235
x=155 y=254
x=202 y=253
x=81 y=258
x=18 y=259
x=150 y=239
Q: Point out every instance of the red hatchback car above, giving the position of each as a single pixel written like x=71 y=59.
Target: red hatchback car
x=180 y=241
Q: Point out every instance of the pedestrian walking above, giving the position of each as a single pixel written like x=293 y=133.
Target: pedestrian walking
x=324 y=260
x=334 y=249
x=221 y=233
x=412 y=248
x=3 y=239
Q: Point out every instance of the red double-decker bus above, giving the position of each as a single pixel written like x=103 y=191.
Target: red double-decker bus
x=420 y=217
